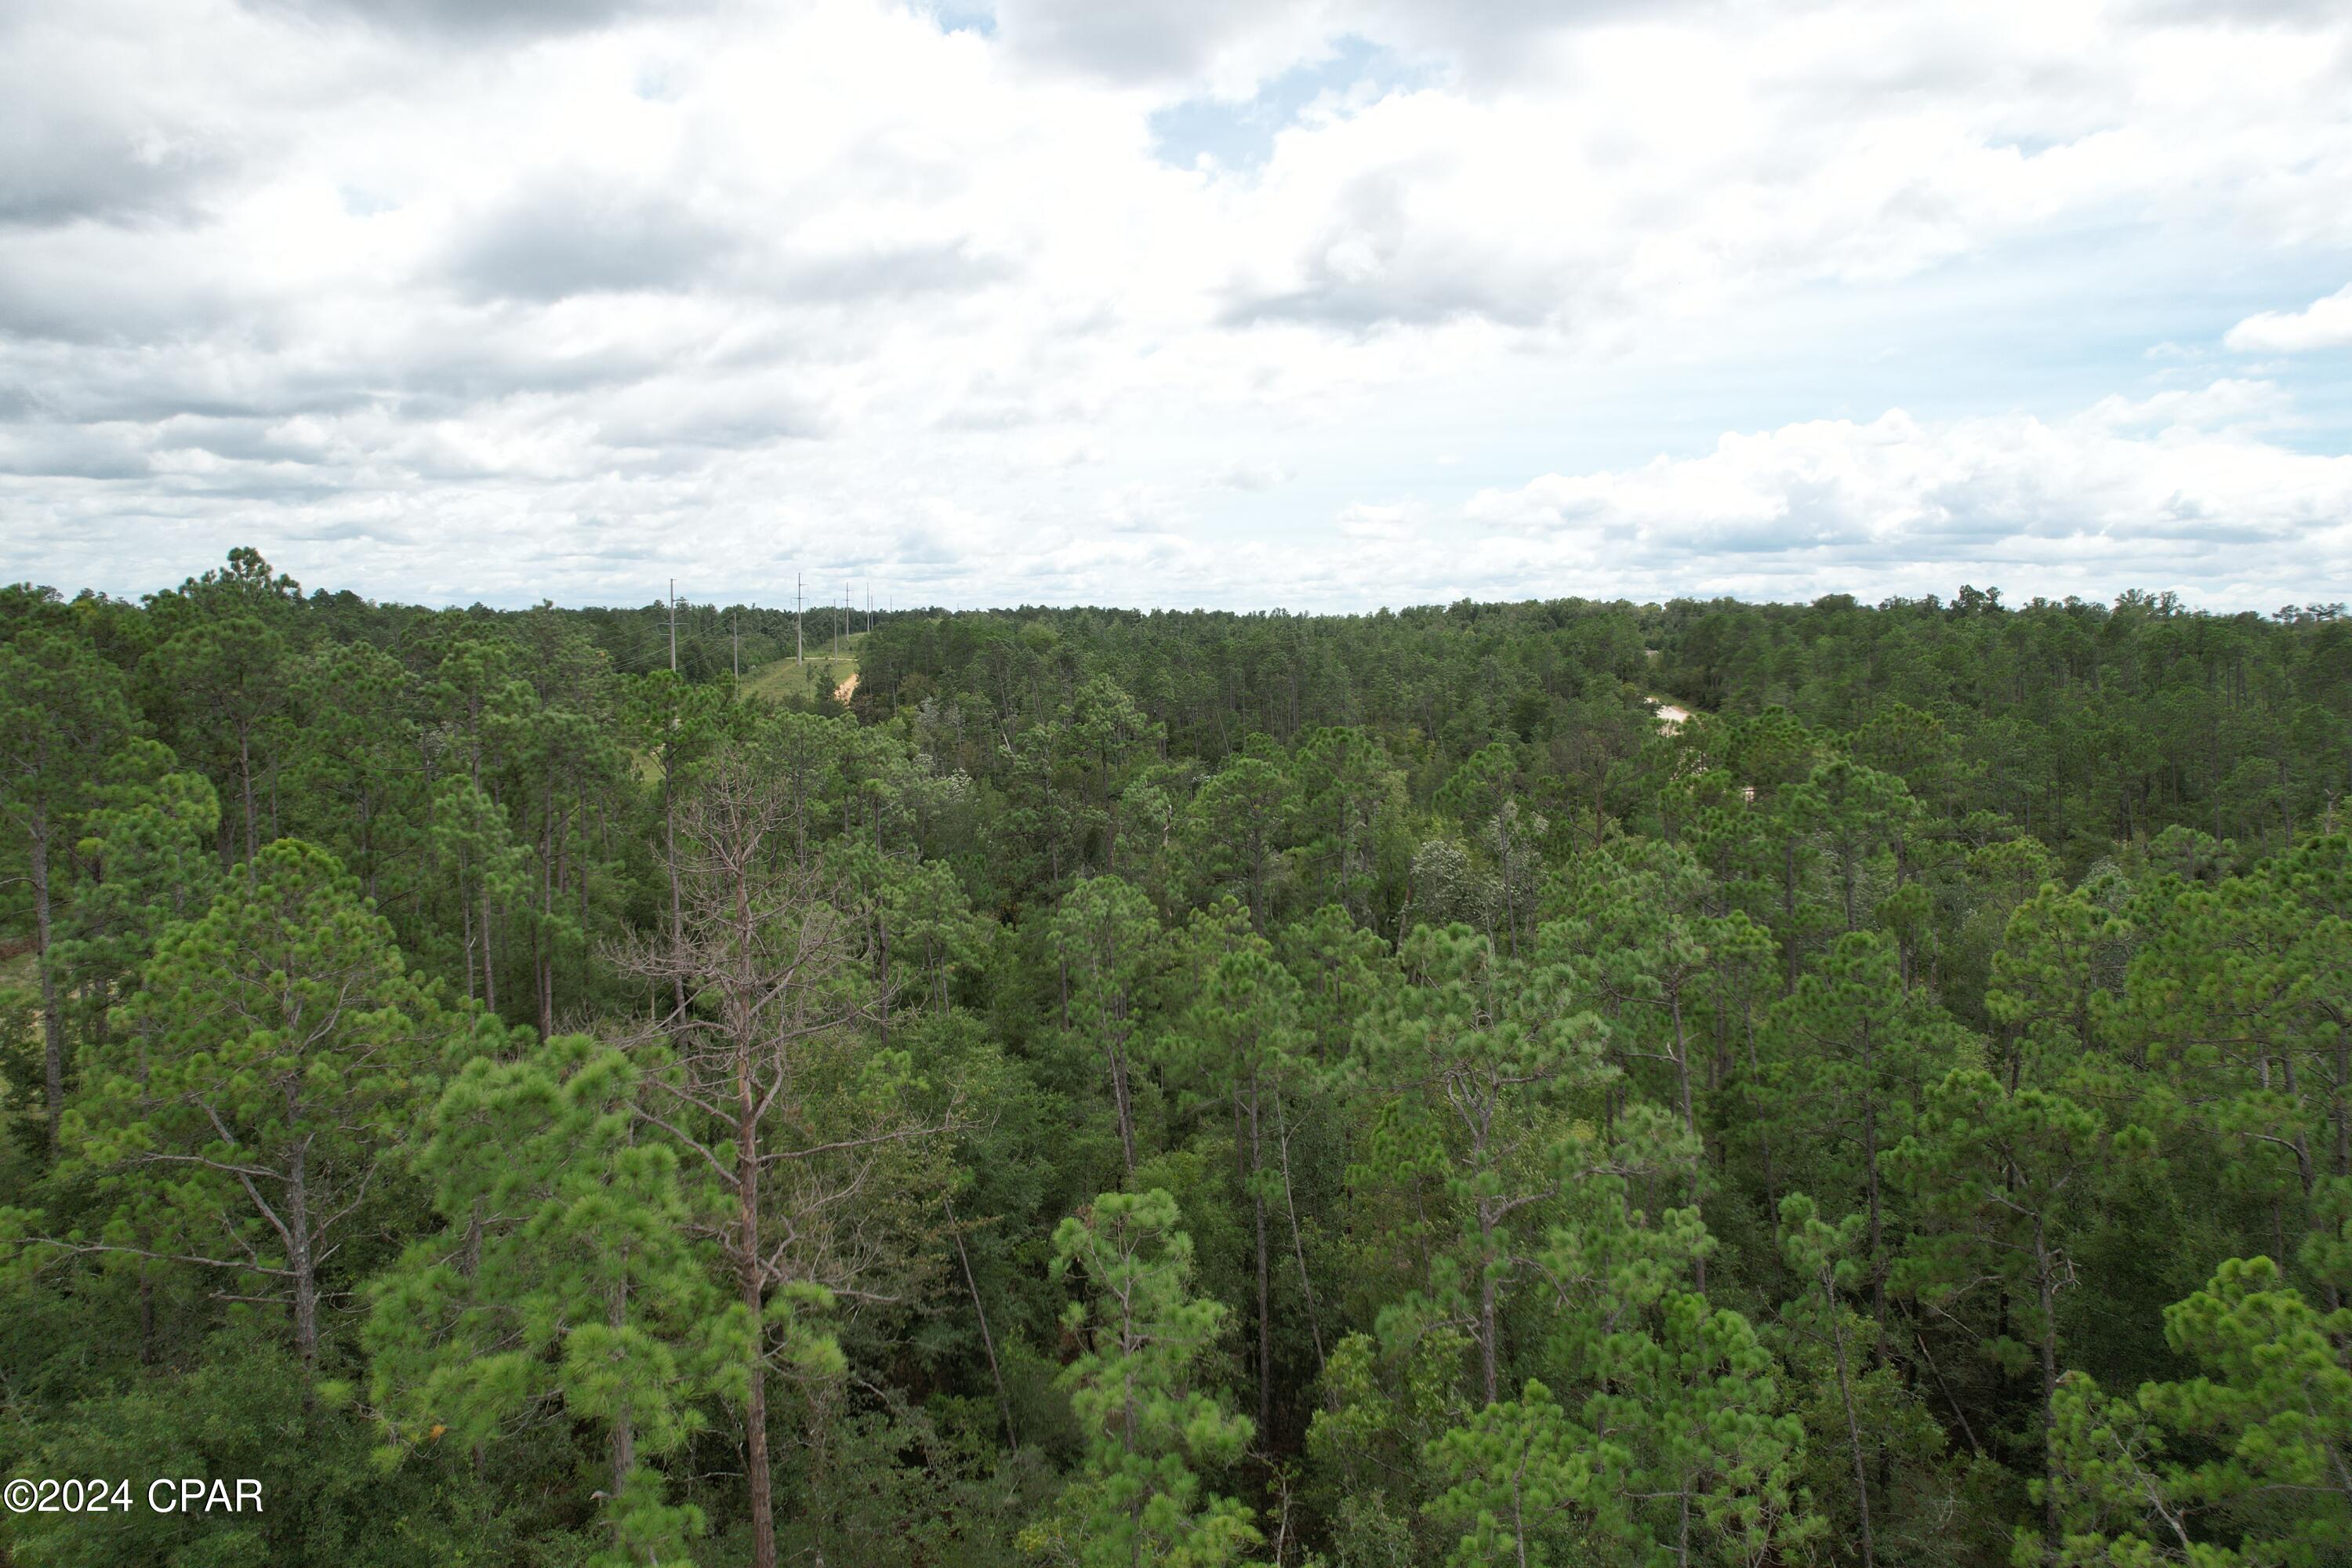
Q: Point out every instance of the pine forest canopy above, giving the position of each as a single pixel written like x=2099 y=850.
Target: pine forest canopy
x=1191 y=1089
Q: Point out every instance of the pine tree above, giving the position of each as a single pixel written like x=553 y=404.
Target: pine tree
x=1238 y=829
x=145 y=848
x=1851 y=1051
x=1466 y=1069
x=1666 y=1442
x=1347 y=795
x=1640 y=948
x=1855 y=811
x=476 y=840
x=1821 y=1254
x=1524 y=1484
x=795 y=1133
x=1148 y=1428
x=1690 y=1393
x=2249 y=1462
x=2238 y=997
x=1107 y=940
x=292 y=1053
x=62 y=713
x=568 y=1279
x=1998 y=1179
x=355 y=779
x=224 y=681
x=1242 y=1033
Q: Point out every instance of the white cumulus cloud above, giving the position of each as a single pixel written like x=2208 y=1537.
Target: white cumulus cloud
x=2182 y=492
x=437 y=299
x=2327 y=324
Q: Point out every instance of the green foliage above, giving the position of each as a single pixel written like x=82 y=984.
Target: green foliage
x=241 y=1413
x=278 y=1054
x=531 y=1105
x=1108 y=941
x=1850 y=1051
x=566 y=1280
x=1525 y=1484
x=1150 y=1429
x=2244 y=1463
x=1469 y=1065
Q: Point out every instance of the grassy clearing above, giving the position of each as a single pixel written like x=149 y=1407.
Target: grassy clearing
x=788 y=678
x=780 y=681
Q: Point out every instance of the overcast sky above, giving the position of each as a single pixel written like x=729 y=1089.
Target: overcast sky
x=1172 y=302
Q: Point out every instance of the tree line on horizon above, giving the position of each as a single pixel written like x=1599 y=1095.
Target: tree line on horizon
x=1179 y=1088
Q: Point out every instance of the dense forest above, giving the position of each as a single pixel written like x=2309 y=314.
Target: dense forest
x=1559 y=1082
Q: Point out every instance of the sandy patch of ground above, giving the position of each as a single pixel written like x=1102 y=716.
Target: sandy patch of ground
x=1671 y=717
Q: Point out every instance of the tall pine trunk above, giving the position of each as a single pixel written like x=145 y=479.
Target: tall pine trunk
x=1853 y=1425
x=302 y=1264
x=53 y=1028
x=755 y=1397
x=542 y=941
x=2048 y=1293
x=1265 y=1275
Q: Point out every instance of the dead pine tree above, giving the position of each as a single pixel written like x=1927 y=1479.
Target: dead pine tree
x=763 y=1075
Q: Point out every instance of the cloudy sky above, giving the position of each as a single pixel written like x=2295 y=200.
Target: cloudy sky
x=1172 y=302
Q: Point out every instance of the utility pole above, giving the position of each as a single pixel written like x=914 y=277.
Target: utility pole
x=800 y=649
x=673 y=625
x=738 y=647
